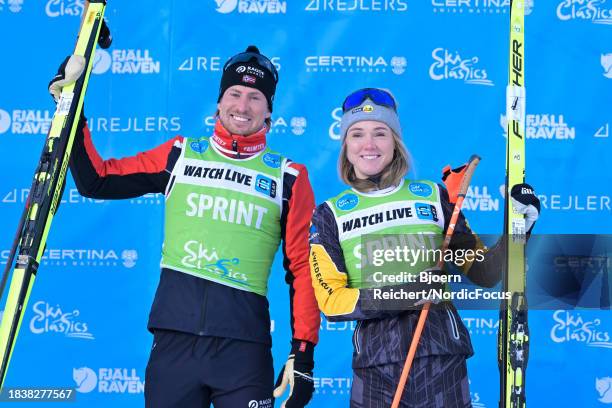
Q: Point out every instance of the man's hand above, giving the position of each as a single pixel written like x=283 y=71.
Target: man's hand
x=70 y=70
x=297 y=372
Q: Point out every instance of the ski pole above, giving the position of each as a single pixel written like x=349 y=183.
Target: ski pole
x=48 y=183
x=465 y=182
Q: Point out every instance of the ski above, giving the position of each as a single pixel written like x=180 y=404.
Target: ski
x=48 y=184
x=513 y=335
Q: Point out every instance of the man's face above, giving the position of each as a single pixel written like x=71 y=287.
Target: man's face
x=243 y=110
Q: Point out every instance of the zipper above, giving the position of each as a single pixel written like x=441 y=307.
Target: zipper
x=356 y=337
x=454 y=326
x=235 y=148
x=204 y=299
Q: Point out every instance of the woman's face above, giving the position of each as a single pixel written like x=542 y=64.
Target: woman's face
x=369 y=147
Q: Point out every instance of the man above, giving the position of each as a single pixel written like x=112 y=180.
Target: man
x=231 y=198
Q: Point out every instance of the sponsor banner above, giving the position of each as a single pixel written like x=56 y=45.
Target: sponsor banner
x=358 y=64
x=450 y=65
x=25 y=121
x=604 y=389
x=594 y=11
x=84 y=257
x=251 y=6
x=569 y=326
x=20 y=196
x=545 y=126
x=50 y=319
x=60 y=8
x=125 y=61
x=281 y=125
x=372 y=6
x=606 y=64
x=333 y=385
x=203 y=63
x=108 y=380
x=14 y=6
x=476 y=7
x=135 y=124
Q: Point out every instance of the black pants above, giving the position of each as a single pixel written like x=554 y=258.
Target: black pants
x=434 y=382
x=186 y=370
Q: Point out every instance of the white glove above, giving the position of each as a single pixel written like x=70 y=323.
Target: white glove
x=70 y=70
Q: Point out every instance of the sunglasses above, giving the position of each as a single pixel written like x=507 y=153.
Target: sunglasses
x=248 y=57
x=378 y=96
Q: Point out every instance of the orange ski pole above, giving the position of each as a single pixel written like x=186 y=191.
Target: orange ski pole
x=463 y=187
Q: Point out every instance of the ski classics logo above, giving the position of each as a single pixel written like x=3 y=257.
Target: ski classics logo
x=14 y=6
x=58 y=8
x=595 y=11
x=606 y=63
x=251 y=6
x=334 y=128
x=25 y=121
x=604 y=389
x=545 y=126
x=355 y=64
x=475 y=397
x=127 y=61
x=84 y=257
x=52 y=319
x=570 y=327
x=108 y=380
x=479 y=199
x=357 y=5
x=450 y=65
x=482 y=7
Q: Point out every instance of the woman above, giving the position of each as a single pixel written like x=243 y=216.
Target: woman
x=373 y=162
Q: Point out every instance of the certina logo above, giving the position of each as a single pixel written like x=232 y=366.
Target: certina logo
x=481 y=325
x=108 y=380
x=49 y=319
x=26 y=121
x=84 y=257
x=478 y=7
x=357 y=5
x=135 y=124
x=127 y=61
x=479 y=199
x=148 y=199
x=604 y=389
x=450 y=65
x=58 y=8
x=280 y=125
x=355 y=64
x=200 y=63
x=571 y=327
x=545 y=126
x=251 y=6
x=596 y=11
x=14 y=6
x=606 y=63
x=332 y=385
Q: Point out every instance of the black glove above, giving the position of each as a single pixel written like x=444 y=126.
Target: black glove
x=297 y=372
x=526 y=202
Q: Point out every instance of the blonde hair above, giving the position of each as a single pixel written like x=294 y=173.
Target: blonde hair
x=390 y=176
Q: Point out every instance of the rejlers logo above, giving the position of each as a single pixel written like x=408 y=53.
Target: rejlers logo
x=357 y=5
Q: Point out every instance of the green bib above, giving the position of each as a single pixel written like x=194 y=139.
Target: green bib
x=409 y=215
x=222 y=220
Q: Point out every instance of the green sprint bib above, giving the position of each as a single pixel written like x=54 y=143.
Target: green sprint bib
x=222 y=219
x=409 y=215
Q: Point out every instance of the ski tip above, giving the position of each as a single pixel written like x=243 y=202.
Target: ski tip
x=474 y=157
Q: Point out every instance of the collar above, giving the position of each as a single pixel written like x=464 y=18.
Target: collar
x=238 y=146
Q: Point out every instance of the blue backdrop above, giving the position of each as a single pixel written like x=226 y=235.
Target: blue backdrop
x=445 y=60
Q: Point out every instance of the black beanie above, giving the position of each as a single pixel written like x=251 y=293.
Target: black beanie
x=252 y=69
